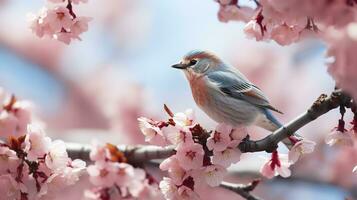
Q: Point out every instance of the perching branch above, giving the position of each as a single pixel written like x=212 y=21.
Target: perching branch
x=321 y=106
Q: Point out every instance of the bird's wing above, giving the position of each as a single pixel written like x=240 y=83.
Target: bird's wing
x=229 y=83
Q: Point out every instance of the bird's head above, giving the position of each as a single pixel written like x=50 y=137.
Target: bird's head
x=198 y=63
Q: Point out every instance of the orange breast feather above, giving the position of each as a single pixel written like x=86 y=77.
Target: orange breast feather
x=199 y=91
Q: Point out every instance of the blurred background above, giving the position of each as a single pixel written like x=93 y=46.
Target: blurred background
x=98 y=87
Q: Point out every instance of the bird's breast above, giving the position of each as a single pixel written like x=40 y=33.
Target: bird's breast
x=199 y=91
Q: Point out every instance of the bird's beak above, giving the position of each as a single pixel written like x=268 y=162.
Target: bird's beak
x=180 y=66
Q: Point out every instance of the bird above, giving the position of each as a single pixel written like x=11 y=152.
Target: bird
x=225 y=94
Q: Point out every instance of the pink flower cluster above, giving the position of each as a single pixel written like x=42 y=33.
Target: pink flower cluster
x=341 y=45
x=279 y=163
x=34 y=167
x=14 y=115
x=201 y=158
x=59 y=22
x=114 y=178
x=285 y=21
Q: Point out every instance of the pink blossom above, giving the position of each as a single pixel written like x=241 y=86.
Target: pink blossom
x=150 y=192
x=102 y=173
x=22 y=111
x=56 y=182
x=284 y=34
x=58 y=18
x=38 y=25
x=98 y=152
x=80 y=25
x=277 y=165
x=232 y=12
x=178 y=135
x=8 y=160
x=301 y=147
x=214 y=174
x=186 y=193
x=184 y=119
x=238 y=134
x=220 y=139
x=36 y=142
x=226 y=157
x=124 y=174
x=176 y=172
x=341 y=45
x=10 y=188
x=152 y=132
x=57 y=157
x=168 y=189
x=136 y=183
x=190 y=156
x=253 y=30
x=64 y=37
x=8 y=124
x=339 y=138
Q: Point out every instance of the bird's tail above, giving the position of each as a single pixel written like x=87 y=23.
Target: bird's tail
x=275 y=124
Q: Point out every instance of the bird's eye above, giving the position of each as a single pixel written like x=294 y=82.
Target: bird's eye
x=193 y=62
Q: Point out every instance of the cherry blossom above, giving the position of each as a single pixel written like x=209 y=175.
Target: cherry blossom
x=57 y=157
x=8 y=160
x=219 y=140
x=36 y=143
x=232 y=12
x=102 y=173
x=226 y=157
x=277 y=165
x=300 y=147
x=59 y=22
x=186 y=118
x=253 y=30
x=214 y=174
x=113 y=178
x=168 y=188
x=339 y=136
x=190 y=156
x=176 y=172
x=80 y=25
x=174 y=192
x=58 y=18
x=152 y=131
x=34 y=167
x=14 y=116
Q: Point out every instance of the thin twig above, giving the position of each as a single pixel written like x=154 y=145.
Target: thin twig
x=241 y=189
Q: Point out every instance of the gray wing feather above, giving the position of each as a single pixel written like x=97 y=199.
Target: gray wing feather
x=238 y=87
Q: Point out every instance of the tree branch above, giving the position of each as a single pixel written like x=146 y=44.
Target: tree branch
x=321 y=106
x=134 y=154
x=241 y=189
